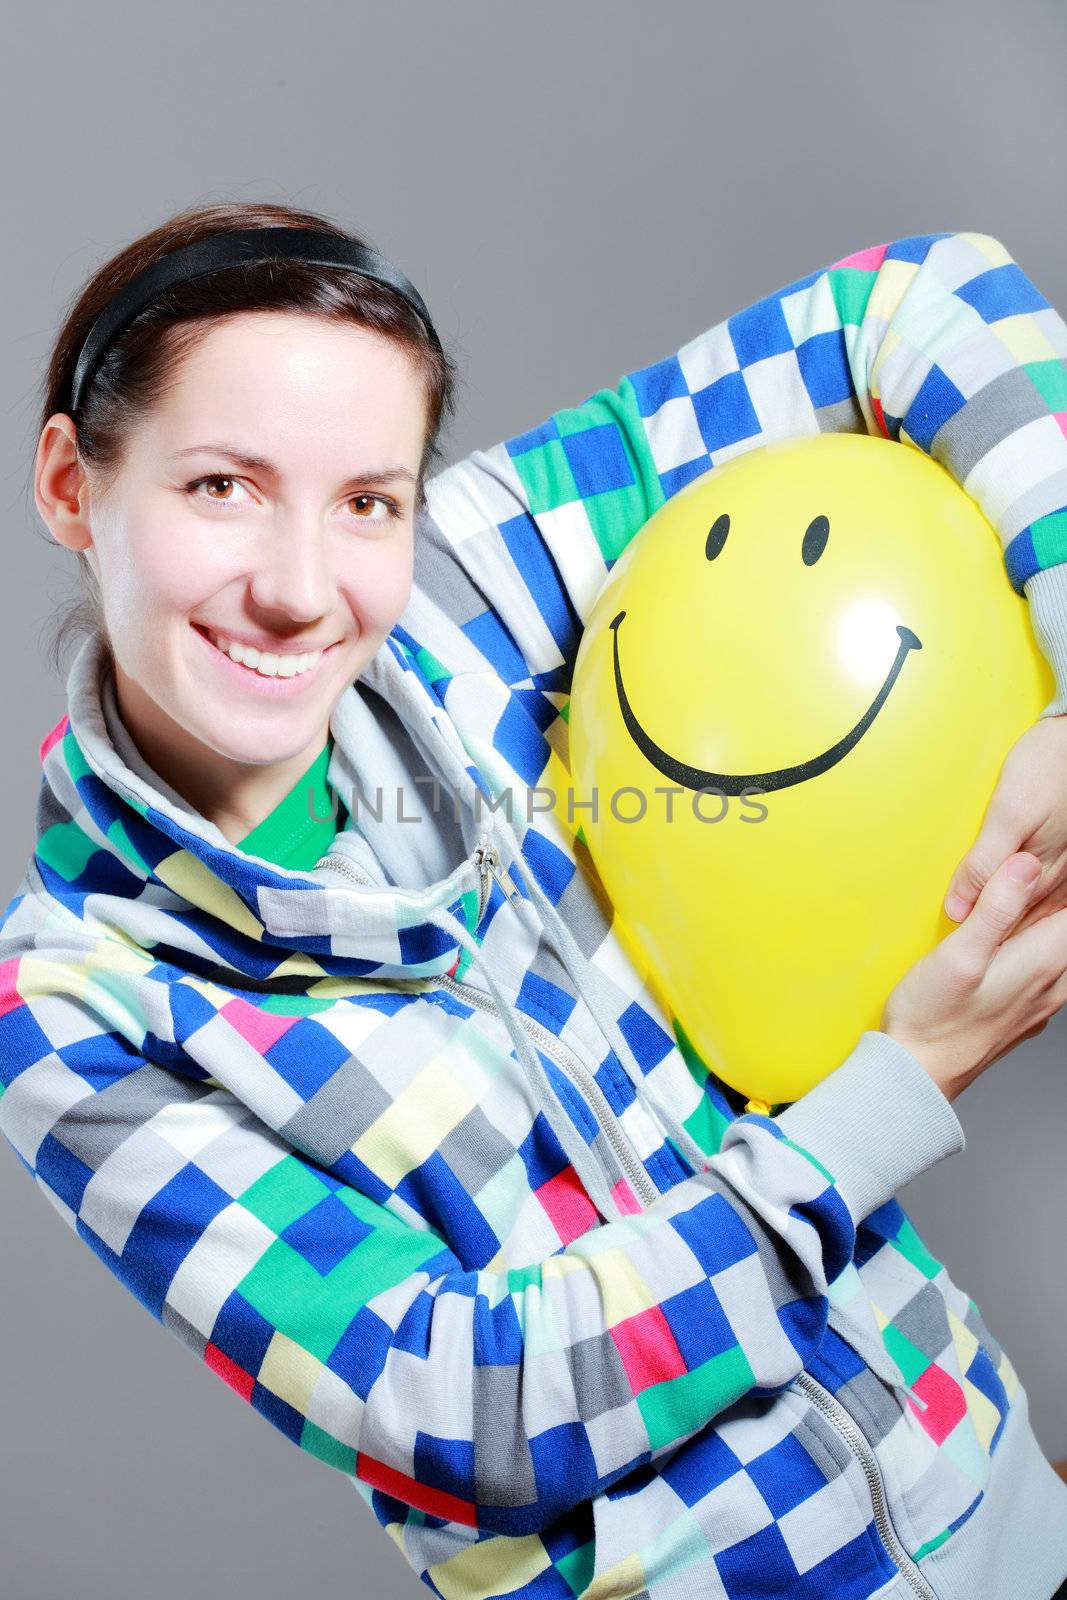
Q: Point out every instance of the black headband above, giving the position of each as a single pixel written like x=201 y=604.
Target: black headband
x=237 y=248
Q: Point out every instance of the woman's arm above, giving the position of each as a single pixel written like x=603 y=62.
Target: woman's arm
x=940 y=341
x=498 y=1399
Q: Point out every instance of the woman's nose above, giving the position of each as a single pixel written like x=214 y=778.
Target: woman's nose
x=293 y=573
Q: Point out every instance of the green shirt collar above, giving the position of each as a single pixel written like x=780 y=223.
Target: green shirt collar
x=289 y=836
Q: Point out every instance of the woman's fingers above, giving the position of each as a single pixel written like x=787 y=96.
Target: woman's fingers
x=998 y=837
x=986 y=987
x=997 y=910
x=1043 y=905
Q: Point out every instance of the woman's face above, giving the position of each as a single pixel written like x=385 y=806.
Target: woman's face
x=268 y=500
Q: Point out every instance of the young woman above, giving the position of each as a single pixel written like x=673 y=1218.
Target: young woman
x=341 y=1068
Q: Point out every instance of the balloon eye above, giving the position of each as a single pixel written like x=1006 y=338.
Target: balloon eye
x=815 y=540
x=717 y=536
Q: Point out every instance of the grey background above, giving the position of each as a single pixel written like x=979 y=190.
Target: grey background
x=577 y=190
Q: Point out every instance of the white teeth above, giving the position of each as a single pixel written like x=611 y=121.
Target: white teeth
x=266 y=663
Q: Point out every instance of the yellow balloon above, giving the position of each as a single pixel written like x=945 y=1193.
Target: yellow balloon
x=790 y=707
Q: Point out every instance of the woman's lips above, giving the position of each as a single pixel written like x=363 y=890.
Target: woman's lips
x=273 y=688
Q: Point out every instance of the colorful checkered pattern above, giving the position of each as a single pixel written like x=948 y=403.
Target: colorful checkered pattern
x=508 y=1254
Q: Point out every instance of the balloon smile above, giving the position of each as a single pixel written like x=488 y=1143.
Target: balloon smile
x=785 y=777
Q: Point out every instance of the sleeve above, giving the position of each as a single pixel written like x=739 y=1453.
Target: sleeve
x=940 y=341
x=497 y=1399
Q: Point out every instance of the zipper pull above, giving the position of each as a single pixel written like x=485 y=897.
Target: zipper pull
x=501 y=873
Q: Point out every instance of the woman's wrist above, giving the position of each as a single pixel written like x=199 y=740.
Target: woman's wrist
x=928 y=1057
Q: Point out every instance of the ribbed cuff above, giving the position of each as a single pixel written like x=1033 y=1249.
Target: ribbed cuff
x=876 y=1122
x=1047 y=593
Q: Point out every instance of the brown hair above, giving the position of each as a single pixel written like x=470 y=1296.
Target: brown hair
x=147 y=354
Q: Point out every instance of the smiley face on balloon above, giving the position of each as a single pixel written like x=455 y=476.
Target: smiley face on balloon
x=822 y=633
x=781 y=777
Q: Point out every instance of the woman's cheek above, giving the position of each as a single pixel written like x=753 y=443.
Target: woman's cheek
x=382 y=585
x=183 y=568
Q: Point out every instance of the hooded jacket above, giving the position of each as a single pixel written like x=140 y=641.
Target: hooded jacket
x=405 y=1148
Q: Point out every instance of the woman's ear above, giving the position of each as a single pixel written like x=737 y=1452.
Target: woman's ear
x=60 y=487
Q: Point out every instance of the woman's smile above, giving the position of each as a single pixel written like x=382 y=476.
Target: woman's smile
x=250 y=674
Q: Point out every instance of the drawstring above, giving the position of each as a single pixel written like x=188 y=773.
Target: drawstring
x=609 y=1027
x=574 y=1146
x=578 y=964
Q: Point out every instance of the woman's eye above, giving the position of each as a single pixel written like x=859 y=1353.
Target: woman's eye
x=213 y=478
x=391 y=507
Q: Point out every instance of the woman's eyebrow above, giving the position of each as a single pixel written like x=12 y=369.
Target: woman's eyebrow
x=252 y=463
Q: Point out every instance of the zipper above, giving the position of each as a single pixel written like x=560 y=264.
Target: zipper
x=484 y=857
x=846 y=1425
x=490 y=864
x=346 y=868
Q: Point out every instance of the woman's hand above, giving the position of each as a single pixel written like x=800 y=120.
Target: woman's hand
x=987 y=986
x=1028 y=811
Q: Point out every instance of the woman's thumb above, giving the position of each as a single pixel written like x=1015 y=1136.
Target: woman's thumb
x=990 y=850
x=1001 y=903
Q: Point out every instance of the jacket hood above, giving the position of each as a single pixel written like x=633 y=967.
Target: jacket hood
x=118 y=846
x=125 y=853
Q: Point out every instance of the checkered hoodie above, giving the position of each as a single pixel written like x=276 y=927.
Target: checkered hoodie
x=406 y=1151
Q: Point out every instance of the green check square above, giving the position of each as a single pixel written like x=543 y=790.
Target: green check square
x=546 y=477
x=851 y=288
x=1049 y=378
